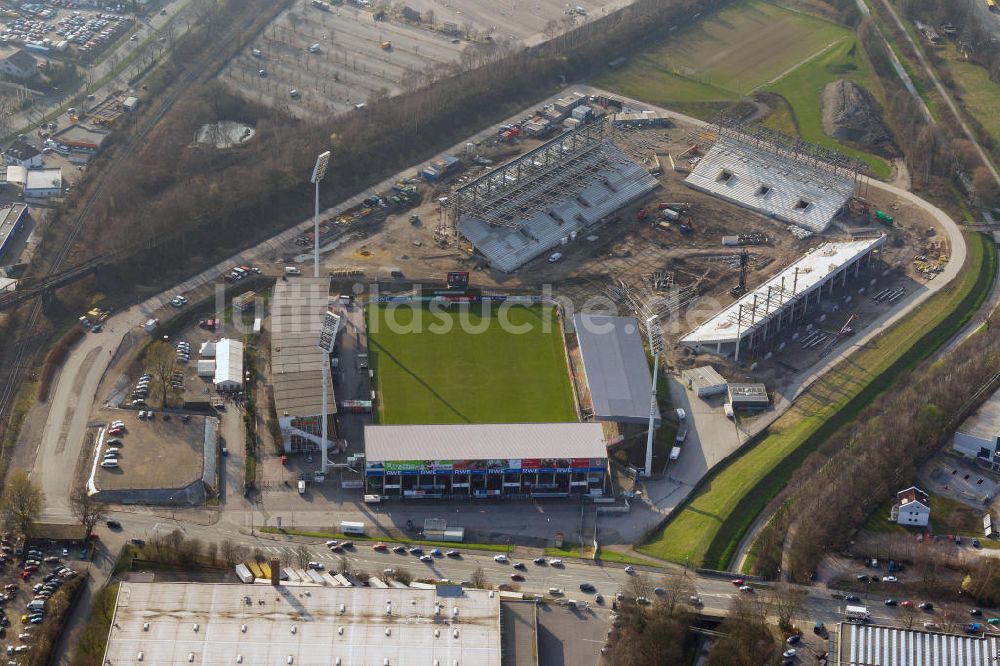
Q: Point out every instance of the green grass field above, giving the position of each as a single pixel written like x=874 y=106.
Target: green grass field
x=460 y=376
x=706 y=530
x=978 y=94
x=746 y=47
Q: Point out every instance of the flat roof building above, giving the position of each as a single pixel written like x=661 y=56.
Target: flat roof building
x=979 y=435
x=618 y=375
x=748 y=396
x=43 y=183
x=298 y=309
x=705 y=381
x=755 y=318
x=485 y=460
x=12 y=219
x=81 y=137
x=867 y=644
x=256 y=625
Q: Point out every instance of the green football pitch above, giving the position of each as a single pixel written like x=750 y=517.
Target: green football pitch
x=469 y=365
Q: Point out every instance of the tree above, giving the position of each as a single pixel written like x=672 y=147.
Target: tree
x=87 y=509
x=21 y=503
x=160 y=364
x=787 y=600
x=748 y=640
x=228 y=551
x=403 y=576
x=478 y=578
x=302 y=556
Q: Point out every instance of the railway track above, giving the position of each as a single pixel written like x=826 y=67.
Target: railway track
x=200 y=69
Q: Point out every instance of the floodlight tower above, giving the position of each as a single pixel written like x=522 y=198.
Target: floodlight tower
x=654 y=334
x=327 y=340
x=319 y=171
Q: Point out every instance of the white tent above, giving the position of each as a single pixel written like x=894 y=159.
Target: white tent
x=228 y=365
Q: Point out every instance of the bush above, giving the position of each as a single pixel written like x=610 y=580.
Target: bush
x=55 y=358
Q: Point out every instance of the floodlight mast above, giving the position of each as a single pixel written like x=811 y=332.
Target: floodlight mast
x=319 y=171
x=655 y=337
x=327 y=341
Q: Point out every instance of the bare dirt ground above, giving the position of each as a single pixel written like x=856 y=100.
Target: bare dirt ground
x=352 y=65
x=632 y=252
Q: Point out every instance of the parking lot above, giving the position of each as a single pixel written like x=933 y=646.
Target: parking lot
x=30 y=577
x=357 y=56
x=63 y=30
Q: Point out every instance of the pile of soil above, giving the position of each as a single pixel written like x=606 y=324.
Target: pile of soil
x=850 y=113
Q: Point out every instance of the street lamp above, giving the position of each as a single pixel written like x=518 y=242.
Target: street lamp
x=319 y=171
x=655 y=337
x=327 y=340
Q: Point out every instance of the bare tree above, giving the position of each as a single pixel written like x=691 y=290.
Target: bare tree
x=403 y=576
x=639 y=586
x=21 y=503
x=478 y=578
x=787 y=600
x=302 y=556
x=228 y=551
x=87 y=509
x=160 y=364
x=344 y=565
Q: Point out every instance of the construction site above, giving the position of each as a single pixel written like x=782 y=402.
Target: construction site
x=666 y=218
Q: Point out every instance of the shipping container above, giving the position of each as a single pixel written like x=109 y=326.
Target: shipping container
x=243 y=573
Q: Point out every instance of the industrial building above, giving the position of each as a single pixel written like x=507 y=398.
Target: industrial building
x=705 y=381
x=547 y=197
x=618 y=375
x=783 y=178
x=298 y=308
x=43 y=183
x=754 y=320
x=516 y=460
x=254 y=625
x=867 y=644
x=979 y=435
x=228 y=365
x=12 y=219
x=81 y=138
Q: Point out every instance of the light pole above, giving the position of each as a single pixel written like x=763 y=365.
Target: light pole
x=319 y=170
x=327 y=340
x=655 y=337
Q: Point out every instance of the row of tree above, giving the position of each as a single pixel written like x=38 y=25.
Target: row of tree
x=867 y=461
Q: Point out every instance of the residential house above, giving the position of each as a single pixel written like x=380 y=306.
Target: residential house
x=912 y=507
x=19 y=65
x=23 y=154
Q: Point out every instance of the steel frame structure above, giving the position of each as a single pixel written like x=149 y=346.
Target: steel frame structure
x=506 y=196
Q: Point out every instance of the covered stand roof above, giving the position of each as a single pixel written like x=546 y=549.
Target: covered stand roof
x=618 y=373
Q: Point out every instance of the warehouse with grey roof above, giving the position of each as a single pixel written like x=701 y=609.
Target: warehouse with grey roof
x=617 y=372
x=865 y=645
x=518 y=460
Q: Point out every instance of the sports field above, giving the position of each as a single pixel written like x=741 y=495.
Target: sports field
x=464 y=366
x=744 y=48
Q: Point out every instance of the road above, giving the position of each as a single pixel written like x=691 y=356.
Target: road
x=716 y=592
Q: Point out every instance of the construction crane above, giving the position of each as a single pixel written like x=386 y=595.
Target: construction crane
x=741 y=288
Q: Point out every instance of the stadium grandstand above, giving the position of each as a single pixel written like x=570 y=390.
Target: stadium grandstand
x=754 y=320
x=784 y=178
x=298 y=309
x=513 y=460
x=546 y=197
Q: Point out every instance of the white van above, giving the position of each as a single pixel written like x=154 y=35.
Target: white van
x=109 y=464
x=36 y=605
x=302 y=487
x=314 y=48
x=292 y=270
